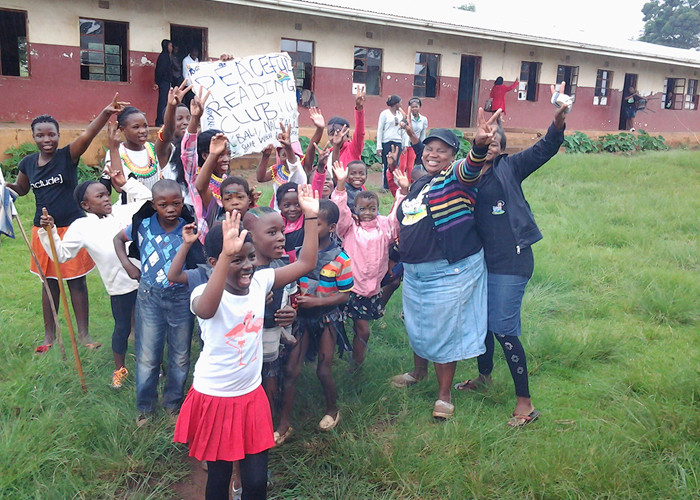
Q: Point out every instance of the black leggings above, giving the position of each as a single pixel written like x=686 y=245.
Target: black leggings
x=122 y=310
x=515 y=356
x=253 y=478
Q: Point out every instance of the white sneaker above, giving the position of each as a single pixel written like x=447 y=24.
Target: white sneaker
x=237 y=493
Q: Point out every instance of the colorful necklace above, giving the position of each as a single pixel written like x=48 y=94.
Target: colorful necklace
x=215 y=185
x=142 y=172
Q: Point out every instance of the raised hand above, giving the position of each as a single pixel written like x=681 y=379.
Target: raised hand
x=341 y=173
x=176 y=94
x=46 y=221
x=218 y=145
x=317 y=118
x=197 y=104
x=360 y=99
x=563 y=110
x=234 y=238
x=323 y=155
x=189 y=233
x=308 y=201
x=392 y=158
x=337 y=138
x=115 y=106
x=226 y=57
x=117 y=178
x=269 y=149
x=285 y=137
x=255 y=197
x=485 y=129
x=402 y=181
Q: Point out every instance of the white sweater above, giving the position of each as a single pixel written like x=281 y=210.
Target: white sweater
x=389 y=128
x=96 y=234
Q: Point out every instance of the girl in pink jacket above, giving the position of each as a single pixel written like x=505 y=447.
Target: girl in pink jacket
x=366 y=237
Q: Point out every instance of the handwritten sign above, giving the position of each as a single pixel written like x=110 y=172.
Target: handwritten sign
x=249 y=98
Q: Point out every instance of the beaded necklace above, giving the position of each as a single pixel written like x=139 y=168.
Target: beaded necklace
x=141 y=172
x=215 y=185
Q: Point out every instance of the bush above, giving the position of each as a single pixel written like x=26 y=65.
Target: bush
x=369 y=153
x=614 y=143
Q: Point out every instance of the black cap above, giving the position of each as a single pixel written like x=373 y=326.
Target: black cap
x=445 y=135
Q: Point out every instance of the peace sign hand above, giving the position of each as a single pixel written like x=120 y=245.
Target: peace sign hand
x=360 y=99
x=176 y=94
x=197 y=104
x=323 y=155
x=115 y=106
x=486 y=129
x=285 y=137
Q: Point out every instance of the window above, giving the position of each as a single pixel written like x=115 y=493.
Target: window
x=674 y=90
x=367 y=69
x=529 y=80
x=13 y=43
x=103 y=52
x=568 y=74
x=302 y=54
x=425 y=75
x=691 y=97
x=602 y=87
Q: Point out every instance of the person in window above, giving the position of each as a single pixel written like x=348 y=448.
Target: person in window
x=629 y=106
x=163 y=77
x=498 y=94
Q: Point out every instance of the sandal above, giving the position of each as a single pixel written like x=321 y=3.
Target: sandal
x=523 y=420
x=404 y=380
x=443 y=409
x=471 y=384
x=43 y=349
x=328 y=423
x=93 y=346
x=281 y=438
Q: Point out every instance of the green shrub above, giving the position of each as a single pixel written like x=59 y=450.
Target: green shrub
x=369 y=153
x=304 y=141
x=614 y=143
x=9 y=166
x=579 y=143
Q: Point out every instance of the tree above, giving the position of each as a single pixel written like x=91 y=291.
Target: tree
x=674 y=23
x=467 y=6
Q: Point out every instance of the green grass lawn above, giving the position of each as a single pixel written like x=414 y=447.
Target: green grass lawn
x=610 y=323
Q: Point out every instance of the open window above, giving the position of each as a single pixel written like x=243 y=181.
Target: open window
x=603 y=82
x=673 y=96
x=13 y=43
x=103 y=50
x=529 y=81
x=426 y=74
x=568 y=74
x=302 y=54
x=367 y=69
x=691 y=97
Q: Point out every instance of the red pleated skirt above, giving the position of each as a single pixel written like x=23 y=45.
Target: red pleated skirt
x=228 y=429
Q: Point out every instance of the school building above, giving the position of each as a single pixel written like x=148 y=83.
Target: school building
x=68 y=58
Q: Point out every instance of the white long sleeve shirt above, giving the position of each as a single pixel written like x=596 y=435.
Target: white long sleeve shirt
x=389 y=128
x=95 y=234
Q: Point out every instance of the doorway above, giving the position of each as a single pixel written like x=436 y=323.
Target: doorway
x=186 y=38
x=630 y=81
x=468 y=92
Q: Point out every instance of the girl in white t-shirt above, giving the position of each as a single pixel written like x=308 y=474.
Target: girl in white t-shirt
x=226 y=416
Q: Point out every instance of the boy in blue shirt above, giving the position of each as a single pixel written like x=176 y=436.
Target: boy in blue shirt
x=162 y=307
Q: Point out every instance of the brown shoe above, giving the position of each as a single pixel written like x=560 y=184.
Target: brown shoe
x=443 y=409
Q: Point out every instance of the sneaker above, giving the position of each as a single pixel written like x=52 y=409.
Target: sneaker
x=118 y=377
x=143 y=419
x=236 y=493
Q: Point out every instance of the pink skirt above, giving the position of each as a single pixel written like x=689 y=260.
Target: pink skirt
x=228 y=429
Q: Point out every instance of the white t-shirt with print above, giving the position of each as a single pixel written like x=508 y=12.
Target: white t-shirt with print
x=231 y=362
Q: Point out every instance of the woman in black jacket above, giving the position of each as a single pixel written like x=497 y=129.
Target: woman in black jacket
x=163 y=77
x=507 y=230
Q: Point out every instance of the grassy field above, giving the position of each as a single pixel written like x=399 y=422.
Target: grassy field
x=610 y=323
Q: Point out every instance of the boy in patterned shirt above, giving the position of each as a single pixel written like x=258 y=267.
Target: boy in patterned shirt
x=320 y=318
x=162 y=307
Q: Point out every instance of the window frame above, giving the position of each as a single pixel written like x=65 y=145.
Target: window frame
x=295 y=62
x=524 y=93
x=603 y=84
x=677 y=98
x=124 y=73
x=365 y=71
x=416 y=64
x=691 y=95
x=26 y=46
x=573 y=79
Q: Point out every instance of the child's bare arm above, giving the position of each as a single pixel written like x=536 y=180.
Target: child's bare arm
x=176 y=273
x=217 y=146
x=120 y=248
x=309 y=248
x=197 y=110
x=320 y=122
x=285 y=138
x=337 y=299
x=205 y=305
x=21 y=184
x=165 y=135
x=80 y=145
x=263 y=173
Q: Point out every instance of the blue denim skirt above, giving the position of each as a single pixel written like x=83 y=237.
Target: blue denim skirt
x=445 y=308
x=505 y=298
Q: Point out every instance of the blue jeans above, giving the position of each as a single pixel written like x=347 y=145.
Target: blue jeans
x=162 y=314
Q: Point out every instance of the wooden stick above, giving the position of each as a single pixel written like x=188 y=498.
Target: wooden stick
x=45 y=283
x=64 y=301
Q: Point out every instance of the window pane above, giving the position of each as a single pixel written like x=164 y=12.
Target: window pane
x=305 y=47
x=112 y=59
x=112 y=49
x=419 y=81
x=91 y=27
x=419 y=91
x=361 y=52
x=360 y=65
x=90 y=58
x=359 y=77
x=289 y=46
x=374 y=76
x=114 y=70
x=375 y=54
x=95 y=46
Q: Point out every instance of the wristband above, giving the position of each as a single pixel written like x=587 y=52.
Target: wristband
x=160 y=133
x=310 y=218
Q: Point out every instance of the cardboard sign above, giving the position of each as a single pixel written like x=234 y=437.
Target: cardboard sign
x=249 y=98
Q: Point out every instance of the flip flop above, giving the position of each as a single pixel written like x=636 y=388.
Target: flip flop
x=94 y=346
x=477 y=385
x=43 y=349
x=281 y=438
x=523 y=420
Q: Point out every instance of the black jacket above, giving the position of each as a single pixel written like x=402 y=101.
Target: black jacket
x=511 y=171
